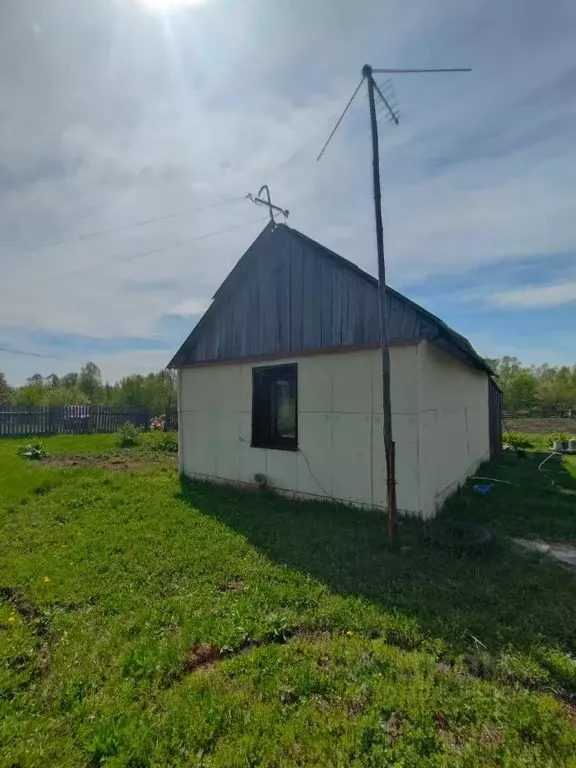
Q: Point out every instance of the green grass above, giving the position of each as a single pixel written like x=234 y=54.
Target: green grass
x=334 y=652
x=532 y=503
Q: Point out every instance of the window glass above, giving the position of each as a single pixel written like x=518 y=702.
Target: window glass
x=274 y=407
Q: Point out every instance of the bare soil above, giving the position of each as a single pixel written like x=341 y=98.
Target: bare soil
x=202 y=655
x=121 y=463
x=541 y=426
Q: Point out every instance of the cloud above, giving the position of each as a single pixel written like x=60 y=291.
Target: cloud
x=552 y=295
x=190 y=307
x=114 y=115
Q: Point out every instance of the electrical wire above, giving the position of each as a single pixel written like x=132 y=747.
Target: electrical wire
x=127 y=258
x=132 y=257
x=418 y=71
x=313 y=476
x=110 y=231
x=37 y=354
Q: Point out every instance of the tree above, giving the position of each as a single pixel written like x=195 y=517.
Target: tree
x=70 y=380
x=6 y=394
x=36 y=380
x=52 y=380
x=55 y=396
x=522 y=391
x=90 y=382
x=29 y=395
x=153 y=393
x=546 y=387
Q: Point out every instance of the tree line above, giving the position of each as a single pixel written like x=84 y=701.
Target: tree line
x=542 y=389
x=153 y=392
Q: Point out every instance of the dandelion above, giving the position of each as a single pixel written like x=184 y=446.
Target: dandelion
x=350 y=633
x=46 y=579
x=11 y=619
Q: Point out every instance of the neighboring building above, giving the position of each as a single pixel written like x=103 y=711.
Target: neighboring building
x=281 y=377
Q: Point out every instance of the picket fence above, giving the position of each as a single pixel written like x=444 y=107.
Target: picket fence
x=73 y=420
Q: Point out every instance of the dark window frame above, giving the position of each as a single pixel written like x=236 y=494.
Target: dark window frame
x=265 y=409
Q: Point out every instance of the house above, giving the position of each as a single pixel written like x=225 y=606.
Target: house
x=280 y=383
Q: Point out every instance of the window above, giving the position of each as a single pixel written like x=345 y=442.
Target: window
x=275 y=407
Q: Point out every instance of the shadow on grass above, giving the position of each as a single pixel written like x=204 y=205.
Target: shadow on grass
x=505 y=597
x=531 y=504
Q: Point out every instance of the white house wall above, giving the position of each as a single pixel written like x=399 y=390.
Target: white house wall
x=453 y=424
x=440 y=425
x=340 y=439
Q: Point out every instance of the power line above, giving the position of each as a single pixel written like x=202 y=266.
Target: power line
x=37 y=354
x=419 y=71
x=89 y=235
x=141 y=255
x=14 y=351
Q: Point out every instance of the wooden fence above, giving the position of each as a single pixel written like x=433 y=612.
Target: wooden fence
x=171 y=421
x=67 y=420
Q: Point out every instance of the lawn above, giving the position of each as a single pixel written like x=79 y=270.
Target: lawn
x=146 y=621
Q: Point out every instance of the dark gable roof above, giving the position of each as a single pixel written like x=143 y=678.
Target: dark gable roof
x=289 y=294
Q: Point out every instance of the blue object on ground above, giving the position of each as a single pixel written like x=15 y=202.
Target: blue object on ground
x=483 y=489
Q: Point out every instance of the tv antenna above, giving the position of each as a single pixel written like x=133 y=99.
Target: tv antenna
x=386 y=97
x=268 y=203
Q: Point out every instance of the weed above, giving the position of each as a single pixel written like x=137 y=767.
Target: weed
x=518 y=440
x=160 y=442
x=32 y=451
x=128 y=436
x=561 y=437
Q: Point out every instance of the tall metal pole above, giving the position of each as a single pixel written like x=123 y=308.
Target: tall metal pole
x=389 y=447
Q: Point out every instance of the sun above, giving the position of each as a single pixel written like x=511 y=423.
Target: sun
x=165 y=6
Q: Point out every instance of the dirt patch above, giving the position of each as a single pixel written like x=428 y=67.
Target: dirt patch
x=202 y=655
x=15 y=597
x=232 y=586
x=569 y=706
x=38 y=623
x=394 y=727
x=491 y=735
x=450 y=738
x=540 y=426
x=315 y=636
x=98 y=462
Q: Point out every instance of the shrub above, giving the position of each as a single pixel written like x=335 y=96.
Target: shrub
x=562 y=436
x=162 y=442
x=128 y=436
x=518 y=440
x=34 y=451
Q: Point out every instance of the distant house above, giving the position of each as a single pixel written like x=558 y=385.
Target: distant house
x=280 y=382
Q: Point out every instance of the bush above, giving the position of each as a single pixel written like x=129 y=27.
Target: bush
x=162 y=442
x=33 y=451
x=128 y=436
x=518 y=440
x=563 y=437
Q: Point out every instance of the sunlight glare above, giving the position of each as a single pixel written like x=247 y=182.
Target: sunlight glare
x=165 y=6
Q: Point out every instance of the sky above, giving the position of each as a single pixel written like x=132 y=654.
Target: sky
x=116 y=112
